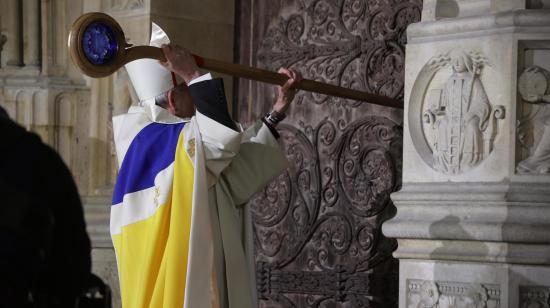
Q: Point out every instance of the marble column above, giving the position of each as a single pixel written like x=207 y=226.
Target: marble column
x=472 y=222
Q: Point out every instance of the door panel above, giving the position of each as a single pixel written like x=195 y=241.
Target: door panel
x=316 y=228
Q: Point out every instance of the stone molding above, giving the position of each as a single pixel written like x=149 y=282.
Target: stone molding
x=450 y=193
x=519 y=21
x=97 y=213
x=495 y=222
x=473 y=251
x=428 y=294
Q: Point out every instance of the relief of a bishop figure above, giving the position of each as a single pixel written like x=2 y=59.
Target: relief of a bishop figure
x=461 y=118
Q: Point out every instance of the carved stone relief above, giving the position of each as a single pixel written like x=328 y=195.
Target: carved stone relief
x=534 y=126
x=440 y=294
x=460 y=122
x=534 y=297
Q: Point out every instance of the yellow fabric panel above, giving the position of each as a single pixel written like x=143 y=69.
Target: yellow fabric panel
x=152 y=254
x=140 y=249
x=177 y=249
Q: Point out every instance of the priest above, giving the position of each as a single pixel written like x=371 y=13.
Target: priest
x=185 y=172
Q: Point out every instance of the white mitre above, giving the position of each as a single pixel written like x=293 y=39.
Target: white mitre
x=151 y=79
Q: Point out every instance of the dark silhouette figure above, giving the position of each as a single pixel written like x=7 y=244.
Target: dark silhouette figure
x=44 y=247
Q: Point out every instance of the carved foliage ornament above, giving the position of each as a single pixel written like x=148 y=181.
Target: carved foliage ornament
x=352 y=43
x=321 y=215
x=317 y=227
x=459 y=122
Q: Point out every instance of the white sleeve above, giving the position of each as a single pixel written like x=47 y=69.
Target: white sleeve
x=220 y=145
x=247 y=160
x=204 y=77
x=259 y=161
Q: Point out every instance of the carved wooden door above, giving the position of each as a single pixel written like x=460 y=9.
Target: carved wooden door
x=317 y=228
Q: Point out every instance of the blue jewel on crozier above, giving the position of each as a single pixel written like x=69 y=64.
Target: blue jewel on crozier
x=99 y=43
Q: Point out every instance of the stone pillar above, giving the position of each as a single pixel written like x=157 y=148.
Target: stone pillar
x=97 y=211
x=3 y=40
x=473 y=215
x=31 y=32
x=13 y=42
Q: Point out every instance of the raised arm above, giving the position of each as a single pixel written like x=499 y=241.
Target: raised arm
x=206 y=94
x=251 y=157
x=261 y=158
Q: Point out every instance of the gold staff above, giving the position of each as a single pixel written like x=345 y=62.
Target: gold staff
x=98 y=48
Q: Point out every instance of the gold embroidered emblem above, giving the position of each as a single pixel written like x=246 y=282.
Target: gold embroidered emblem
x=191 y=147
x=157 y=195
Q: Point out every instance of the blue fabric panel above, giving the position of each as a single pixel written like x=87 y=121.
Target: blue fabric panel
x=152 y=150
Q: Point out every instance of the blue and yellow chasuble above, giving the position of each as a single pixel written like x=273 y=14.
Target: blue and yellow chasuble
x=175 y=220
x=151 y=220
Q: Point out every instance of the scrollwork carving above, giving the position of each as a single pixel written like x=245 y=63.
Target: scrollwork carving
x=277 y=195
x=352 y=43
x=365 y=237
x=338 y=177
x=366 y=171
x=344 y=162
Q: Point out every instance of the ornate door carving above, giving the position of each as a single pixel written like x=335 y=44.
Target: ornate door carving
x=316 y=228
